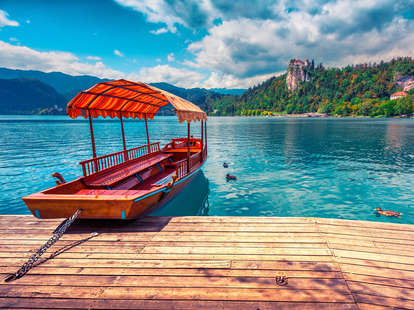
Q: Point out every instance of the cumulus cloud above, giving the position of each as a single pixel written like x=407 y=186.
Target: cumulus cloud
x=159 y=31
x=5 y=21
x=338 y=33
x=25 y=58
x=177 y=76
x=249 y=38
x=220 y=80
x=194 y=14
x=118 y=53
x=170 y=57
x=93 y=58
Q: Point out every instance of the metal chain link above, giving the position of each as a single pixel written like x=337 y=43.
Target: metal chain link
x=57 y=233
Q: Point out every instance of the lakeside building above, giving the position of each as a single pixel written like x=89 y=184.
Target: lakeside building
x=398 y=94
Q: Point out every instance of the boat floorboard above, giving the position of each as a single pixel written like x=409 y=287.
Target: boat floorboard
x=210 y=263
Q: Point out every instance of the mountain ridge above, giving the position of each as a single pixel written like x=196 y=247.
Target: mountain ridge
x=64 y=87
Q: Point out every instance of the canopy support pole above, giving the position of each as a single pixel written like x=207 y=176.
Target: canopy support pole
x=188 y=147
x=92 y=137
x=202 y=140
x=205 y=130
x=123 y=137
x=146 y=129
x=95 y=163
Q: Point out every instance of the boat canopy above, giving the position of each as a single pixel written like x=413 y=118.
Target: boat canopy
x=122 y=98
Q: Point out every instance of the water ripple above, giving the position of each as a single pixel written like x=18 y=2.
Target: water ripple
x=341 y=168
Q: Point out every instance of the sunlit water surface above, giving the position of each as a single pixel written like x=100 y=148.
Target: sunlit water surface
x=338 y=168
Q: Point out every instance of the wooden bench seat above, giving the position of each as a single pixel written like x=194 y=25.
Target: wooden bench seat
x=116 y=174
x=183 y=150
x=106 y=192
x=158 y=180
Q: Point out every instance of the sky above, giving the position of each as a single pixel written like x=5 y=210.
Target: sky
x=199 y=43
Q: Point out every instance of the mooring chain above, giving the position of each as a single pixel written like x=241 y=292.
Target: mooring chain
x=57 y=233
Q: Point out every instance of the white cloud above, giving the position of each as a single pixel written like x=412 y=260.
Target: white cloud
x=28 y=21
x=250 y=47
x=170 y=57
x=177 y=76
x=220 y=80
x=93 y=58
x=25 y=58
x=159 y=31
x=118 y=53
x=5 y=21
x=13 y=39
x=259 y=37
x=155 y=10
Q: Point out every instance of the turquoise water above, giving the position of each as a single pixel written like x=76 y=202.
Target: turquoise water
x=340 y=168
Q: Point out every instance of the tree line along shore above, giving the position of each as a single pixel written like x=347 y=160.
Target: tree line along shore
x=357 y=90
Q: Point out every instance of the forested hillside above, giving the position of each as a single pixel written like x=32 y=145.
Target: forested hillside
x=363 y=89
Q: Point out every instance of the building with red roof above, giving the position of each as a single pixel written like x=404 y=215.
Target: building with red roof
x=398 y=94
x=299 y=62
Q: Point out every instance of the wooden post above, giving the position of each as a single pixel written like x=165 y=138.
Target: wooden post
x=146 y=128
x=92 y=137
x=202 y=140
x=123 y=137
x=188 y=147
x=205 y=130
x=95 y=163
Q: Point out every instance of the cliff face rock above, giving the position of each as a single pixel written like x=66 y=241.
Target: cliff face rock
x=296 y=73
x=406 y=82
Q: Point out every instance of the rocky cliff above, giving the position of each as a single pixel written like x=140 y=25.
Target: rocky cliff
x=406 y=82
x=297 y=72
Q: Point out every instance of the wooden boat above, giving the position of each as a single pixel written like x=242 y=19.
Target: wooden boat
x=131 y=182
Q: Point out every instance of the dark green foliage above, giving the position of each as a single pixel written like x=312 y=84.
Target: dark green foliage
x=353 y=90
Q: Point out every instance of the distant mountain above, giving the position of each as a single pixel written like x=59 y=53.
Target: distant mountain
x=199 y=96
x=63 y=87
x=29 y=96
x=65 y=84
x=226 y=91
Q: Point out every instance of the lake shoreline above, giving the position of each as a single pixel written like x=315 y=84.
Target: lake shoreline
x=297 y=115
x=319 y=115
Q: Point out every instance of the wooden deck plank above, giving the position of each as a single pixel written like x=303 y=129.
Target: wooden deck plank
x=181 y=281
x=397 y=282
x=388 y=302
x=211 y=263
x=108 y=263
x=183 y=293
x=200 y=272
x=40 y=303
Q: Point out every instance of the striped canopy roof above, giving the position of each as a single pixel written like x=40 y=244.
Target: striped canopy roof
x=130 y=99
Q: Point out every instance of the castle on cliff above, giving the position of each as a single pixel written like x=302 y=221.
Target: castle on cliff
x=298 y=71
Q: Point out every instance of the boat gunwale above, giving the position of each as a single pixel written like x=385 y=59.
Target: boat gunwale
x=42 y=195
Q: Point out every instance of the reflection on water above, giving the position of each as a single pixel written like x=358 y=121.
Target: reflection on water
x=192 y=200
x=342 y=168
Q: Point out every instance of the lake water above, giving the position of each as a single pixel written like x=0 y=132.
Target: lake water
x=338 y=168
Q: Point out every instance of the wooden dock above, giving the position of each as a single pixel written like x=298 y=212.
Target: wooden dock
x=211 y=262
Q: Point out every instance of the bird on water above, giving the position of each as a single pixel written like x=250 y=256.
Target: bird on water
x=231 y=177
x=387 y=212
